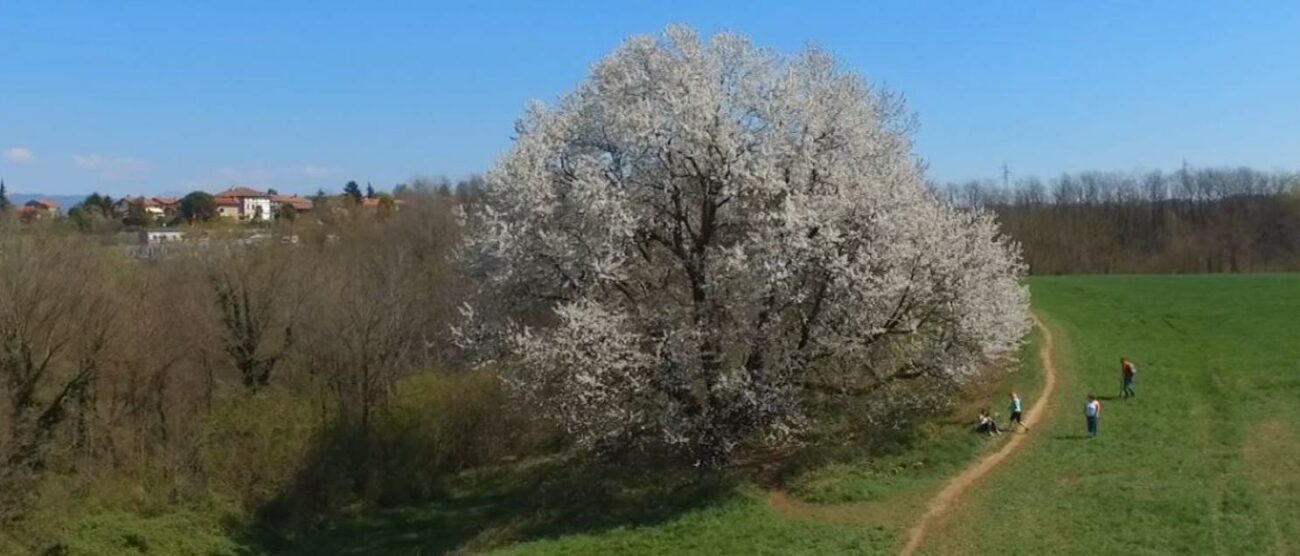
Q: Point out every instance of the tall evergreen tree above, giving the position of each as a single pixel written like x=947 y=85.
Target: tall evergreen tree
x=352 y=191
x=370 y=191
x=4 y=197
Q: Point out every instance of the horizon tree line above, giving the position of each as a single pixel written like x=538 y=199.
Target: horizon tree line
x=1190 y=220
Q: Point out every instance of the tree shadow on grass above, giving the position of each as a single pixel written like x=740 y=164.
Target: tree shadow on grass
x=1070 y=437
x=506 y=504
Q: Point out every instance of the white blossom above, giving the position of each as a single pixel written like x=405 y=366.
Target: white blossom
x=704 y=233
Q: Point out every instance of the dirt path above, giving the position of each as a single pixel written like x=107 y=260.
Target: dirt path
x=953 y=491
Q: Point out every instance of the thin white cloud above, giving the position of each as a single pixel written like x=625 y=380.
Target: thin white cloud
x=20 y=155
x=314 y=171
x=253 y=176
x=110 y=168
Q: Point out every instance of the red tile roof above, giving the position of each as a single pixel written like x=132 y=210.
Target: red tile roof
x=43 y=204
x=240 y=192
x=125 y=201
x=226 y=201
x=298 y=203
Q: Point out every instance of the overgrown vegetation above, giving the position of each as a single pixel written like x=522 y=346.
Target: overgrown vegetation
x=236 y=374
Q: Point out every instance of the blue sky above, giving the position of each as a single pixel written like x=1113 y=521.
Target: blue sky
x=160 y=97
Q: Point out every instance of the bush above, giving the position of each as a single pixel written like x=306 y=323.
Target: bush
x=435 y=426
x=443 y=424
x=123 y=511
x=125 y=533
x=253 y=446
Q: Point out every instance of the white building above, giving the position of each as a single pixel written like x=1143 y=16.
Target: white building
x=245 y=204
x=154 y=237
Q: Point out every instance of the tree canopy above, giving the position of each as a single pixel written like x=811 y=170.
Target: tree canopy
x=199 y=206
x=705 y=236
x=352 y=191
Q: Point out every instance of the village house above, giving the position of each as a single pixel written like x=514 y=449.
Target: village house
x=227 y=207
x=170 y=206
x=157 y=208
x=244 y=203
x=38 y=209
x=151 y=207
x=292 y=202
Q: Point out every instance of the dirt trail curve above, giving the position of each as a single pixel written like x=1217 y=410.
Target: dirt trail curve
x=947 y=498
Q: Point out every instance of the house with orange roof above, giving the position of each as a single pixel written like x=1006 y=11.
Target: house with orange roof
x=227 y=207
x=245 y=203
x=38 y=209
x=170 y=206
x=152 y=207
x=292 y=202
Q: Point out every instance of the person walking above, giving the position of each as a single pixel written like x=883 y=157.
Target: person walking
x=1129 y=373
x=1017 y=411
x=1092 y=412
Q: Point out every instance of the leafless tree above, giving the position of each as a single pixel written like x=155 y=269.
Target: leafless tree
x=1192 y=220
x=57 y=317
x=257 y=296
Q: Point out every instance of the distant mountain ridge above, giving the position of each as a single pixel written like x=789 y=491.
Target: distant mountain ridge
x=65 y=201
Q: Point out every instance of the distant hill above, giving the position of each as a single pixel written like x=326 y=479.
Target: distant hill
x=65 y=201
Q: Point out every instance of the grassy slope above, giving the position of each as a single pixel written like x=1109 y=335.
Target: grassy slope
x=547 y=507
x=852 y=508
x=1203 y=461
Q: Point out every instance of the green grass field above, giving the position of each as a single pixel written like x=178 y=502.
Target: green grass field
x=1206 y=459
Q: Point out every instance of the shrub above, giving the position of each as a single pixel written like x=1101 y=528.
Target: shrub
x=253 y=446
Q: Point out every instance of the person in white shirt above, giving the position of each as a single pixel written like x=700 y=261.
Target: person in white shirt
x=1017 y=411
x=1092 y=412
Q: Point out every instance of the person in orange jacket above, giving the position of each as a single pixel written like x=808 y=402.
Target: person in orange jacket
x=1129 y=376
